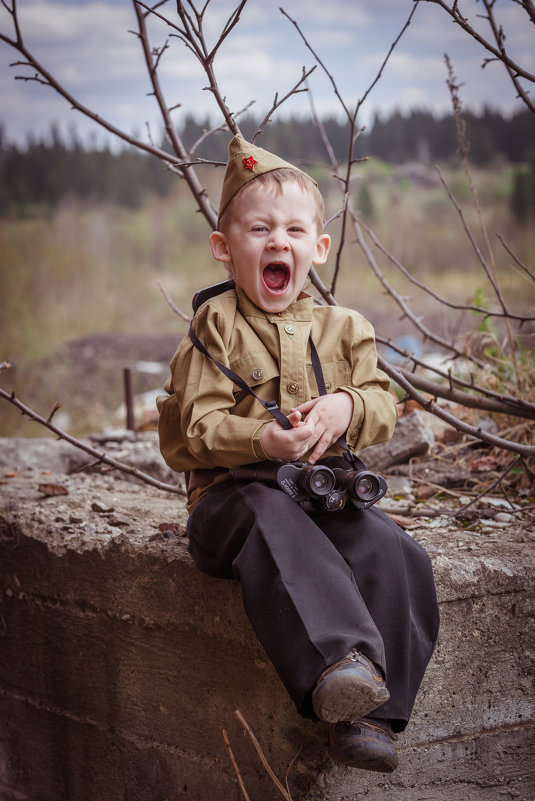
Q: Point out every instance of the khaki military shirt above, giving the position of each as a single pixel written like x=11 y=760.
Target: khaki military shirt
x=207 y=421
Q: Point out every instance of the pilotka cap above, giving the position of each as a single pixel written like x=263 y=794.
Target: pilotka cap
x=245 y=163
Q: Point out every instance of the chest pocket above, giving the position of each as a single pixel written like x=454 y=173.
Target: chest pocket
x=256 y=369
x=335 y=374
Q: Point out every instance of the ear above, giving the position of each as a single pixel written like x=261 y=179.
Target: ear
x=220 y=248
x=323 y=245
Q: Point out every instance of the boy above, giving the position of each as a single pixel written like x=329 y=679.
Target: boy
x=343 y=601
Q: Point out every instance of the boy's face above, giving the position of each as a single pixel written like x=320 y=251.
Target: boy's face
x=270 y=241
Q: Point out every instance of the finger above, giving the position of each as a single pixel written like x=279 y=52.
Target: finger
x=295 y=417
x=305 y=407
x=321 y=446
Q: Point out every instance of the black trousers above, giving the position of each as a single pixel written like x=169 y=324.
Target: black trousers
x=317 y=584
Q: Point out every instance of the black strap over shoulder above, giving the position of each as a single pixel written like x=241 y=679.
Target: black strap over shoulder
x=271 y=406
x=212 y=291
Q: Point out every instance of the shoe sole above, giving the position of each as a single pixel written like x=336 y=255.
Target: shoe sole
x=347 y=699
x=379 y=764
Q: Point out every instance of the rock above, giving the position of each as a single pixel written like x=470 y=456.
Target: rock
x=413 y=436
x=139 y=450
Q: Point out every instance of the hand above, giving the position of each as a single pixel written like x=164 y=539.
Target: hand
x=288 y=444
x=330 y=416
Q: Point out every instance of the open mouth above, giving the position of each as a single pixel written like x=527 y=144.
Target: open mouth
x=276 y=277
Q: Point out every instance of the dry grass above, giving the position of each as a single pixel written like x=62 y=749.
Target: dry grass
x=94 y=269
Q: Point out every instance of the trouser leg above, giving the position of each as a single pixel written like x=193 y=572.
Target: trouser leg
x=298 y=592
x=395 y=578
x=301 y=589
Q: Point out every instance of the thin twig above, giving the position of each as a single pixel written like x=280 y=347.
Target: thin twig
x=277 y=103
x=263 y=759
x=56 y=408
x=471 y=238
x=354 y=131
x=463 y=146
x=197 y=189
x=234 y=765
x=176 y=310
x=431 y=292
x=407 y=311
x=487 y=489
x=515 y=258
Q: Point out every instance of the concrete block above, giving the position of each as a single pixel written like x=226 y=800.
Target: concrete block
x=121 y=664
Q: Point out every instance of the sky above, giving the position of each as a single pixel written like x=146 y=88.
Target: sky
x=87 y=46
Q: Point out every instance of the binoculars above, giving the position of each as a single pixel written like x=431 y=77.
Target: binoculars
x=330 y=489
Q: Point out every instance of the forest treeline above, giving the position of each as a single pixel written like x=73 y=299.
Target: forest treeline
x=46 y=171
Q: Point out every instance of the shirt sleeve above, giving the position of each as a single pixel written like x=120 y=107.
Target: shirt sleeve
x=212 y=434
x=374 y=409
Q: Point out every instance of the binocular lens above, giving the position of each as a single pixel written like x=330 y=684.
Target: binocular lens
x=318 y=480
x=365 y=488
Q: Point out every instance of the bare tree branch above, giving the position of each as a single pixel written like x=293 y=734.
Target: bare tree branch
x=497 y=401
x=198 y=191
x=443 y=301
x=426 y=333
x=354 y=131
x=467 y=399
x=48 y=79
x=351 y=115
x=101 y=458
x=431 y=406
x=277 y=102
x=497 y=49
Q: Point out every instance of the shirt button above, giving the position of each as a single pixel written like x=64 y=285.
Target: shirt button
x=258 y=374
x=328 y=385
x=293 y=387
x=290 y=329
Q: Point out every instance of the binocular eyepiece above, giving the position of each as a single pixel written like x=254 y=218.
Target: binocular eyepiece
x=363 y=487
x=326 y=487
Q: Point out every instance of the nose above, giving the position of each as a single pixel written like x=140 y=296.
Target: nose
x=278 y=240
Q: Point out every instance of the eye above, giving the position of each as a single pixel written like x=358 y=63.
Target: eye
x=259 y=227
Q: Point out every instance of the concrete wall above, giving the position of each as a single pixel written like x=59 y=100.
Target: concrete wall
x=121 y=664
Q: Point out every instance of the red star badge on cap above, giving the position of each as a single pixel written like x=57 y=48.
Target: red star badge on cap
x=248 y=163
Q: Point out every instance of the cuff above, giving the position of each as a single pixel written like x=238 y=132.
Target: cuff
x=258 y=450
x=353 y=429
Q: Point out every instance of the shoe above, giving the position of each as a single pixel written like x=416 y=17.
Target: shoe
x=349 y=689
x=366 y=744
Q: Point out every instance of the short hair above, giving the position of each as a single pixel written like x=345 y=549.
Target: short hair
x=277 y=178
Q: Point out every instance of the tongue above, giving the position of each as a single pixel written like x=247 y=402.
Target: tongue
x=275 y=277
